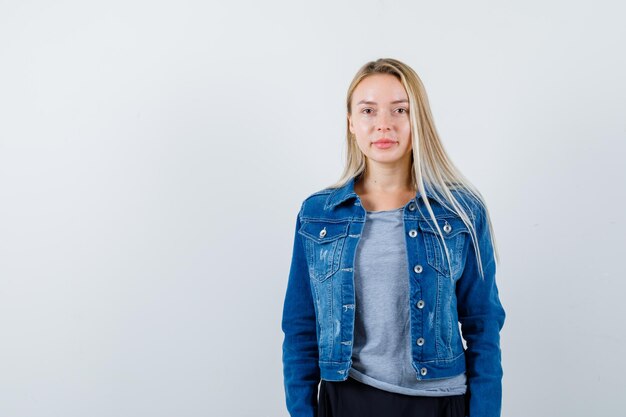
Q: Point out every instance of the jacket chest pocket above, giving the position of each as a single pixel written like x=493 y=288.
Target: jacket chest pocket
x=456 y=234
x=323 y=243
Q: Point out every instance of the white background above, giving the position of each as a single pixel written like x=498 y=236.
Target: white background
x=153 y=157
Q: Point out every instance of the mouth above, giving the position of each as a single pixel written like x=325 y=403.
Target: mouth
x=384 y=143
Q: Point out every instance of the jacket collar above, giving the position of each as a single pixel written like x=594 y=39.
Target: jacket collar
x=341 y=194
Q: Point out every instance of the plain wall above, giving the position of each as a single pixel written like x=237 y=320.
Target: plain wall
x=154 y=155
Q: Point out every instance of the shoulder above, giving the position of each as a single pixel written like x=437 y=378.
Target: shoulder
x=319 y=195
x=472 y=202
x=316 y=200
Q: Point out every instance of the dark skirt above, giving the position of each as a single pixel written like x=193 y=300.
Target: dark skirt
x=352 y=398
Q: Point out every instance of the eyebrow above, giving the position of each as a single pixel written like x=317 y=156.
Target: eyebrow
x=373 y=102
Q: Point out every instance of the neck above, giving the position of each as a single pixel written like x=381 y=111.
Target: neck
x=386 y=180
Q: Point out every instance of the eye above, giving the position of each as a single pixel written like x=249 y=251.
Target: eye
x=367 y=110
x=402 y=110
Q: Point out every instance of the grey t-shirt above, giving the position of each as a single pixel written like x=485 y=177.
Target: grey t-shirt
x=381 y=355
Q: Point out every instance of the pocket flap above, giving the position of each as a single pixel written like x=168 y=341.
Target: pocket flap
x=455 y=224
x=323 y=232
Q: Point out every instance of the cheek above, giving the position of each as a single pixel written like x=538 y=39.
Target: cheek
x=362 y=142
x=362 y=133
x=362 y=126
x=406 y=129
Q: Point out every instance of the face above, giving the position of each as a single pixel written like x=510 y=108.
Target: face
x=380 y=119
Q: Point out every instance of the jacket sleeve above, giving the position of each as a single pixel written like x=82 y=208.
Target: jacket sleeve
x=300 y=352
x=481 y=316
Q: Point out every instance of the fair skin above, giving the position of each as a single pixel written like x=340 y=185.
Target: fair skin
x=379 y=113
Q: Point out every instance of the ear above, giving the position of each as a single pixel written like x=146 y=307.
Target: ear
x=350 y=125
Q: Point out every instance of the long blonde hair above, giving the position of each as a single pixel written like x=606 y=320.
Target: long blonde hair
x=431 y=164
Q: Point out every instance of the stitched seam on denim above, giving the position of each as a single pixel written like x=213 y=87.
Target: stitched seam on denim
x=328 y=267
x=341 y=242
x=331 y=304
x=444 y=359
x=315 y=236
x=438 y=318
x=436 y=257
x=428 y=245
x=319 y=319
x=326 y=219
x=325 y=191
x=342 y=363
x=460 y=250
x=449 y=339
x=309 y=255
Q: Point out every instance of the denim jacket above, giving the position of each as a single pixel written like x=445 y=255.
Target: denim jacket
x=319 y=307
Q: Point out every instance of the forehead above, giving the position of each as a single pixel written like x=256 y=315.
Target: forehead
x=379 y=87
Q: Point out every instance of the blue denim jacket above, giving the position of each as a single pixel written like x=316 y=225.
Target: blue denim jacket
x=318 y=314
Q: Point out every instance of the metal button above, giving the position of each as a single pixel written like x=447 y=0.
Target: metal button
x=323 y=232
x=413 y=233
x=418 y=269
x=420 y=304
x=412 y=207
x=423 y=371
x=420 y=341
x=447 y=228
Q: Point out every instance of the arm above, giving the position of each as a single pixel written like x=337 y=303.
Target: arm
x=482 y=317
x=300 y=352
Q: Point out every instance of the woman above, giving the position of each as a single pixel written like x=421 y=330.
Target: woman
x=386 y=263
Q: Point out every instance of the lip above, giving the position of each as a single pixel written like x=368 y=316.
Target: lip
x=385 y=140
x=384 y=143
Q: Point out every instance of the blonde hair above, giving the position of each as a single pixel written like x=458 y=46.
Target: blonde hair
x=431 y=165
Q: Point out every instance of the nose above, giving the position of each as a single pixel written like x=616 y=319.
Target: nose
x=383 y=124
